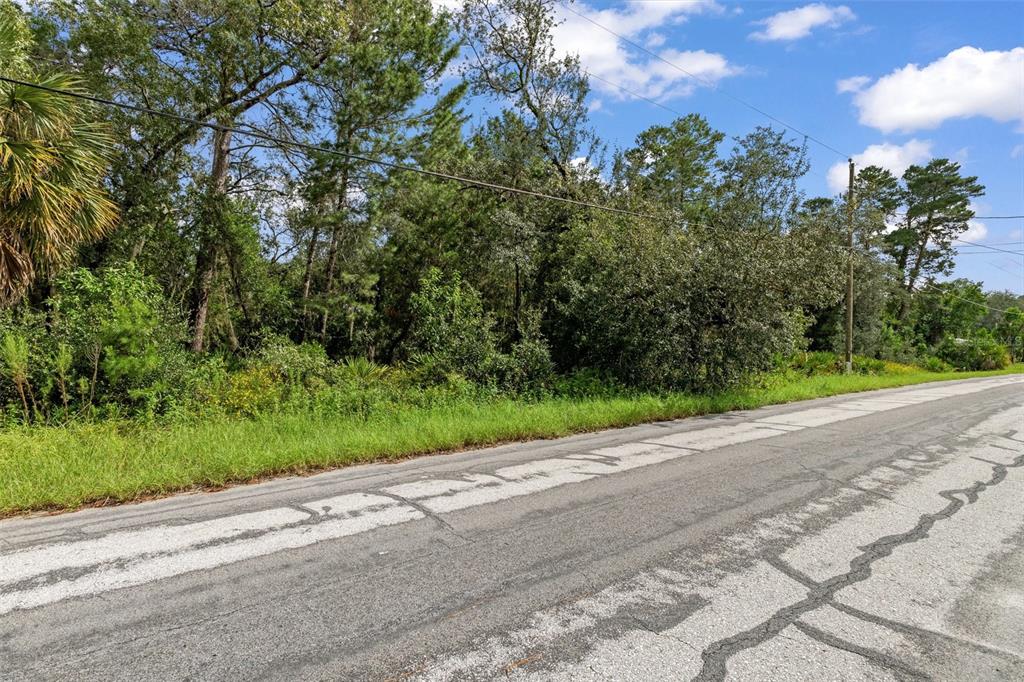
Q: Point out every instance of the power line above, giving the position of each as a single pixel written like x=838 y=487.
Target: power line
x=986 y=253
x=706 y=82
x=259 y=134
x=998 y=217
x=966 y=300
x=866 y=254
x=986 y=246
x=591 y=74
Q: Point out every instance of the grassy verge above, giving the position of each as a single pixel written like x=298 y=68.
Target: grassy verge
x=63 y=468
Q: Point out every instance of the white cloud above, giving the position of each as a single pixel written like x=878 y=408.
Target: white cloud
x=655 y=40
x=853 y=84
x=966 y=82
x=1017 y=152
x=798 y=23
x=608 y=57
x=976 y=231
x=893 y=157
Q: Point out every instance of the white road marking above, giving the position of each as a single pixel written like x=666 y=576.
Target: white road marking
x=447 y=495
x=721 y=436
x=817 y=416
x=364 y=512
x=160 y=552
x=26 y=563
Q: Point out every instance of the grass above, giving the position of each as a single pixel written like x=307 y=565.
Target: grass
x=60 y=468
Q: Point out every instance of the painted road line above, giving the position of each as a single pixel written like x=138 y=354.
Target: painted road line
x=362 y=513
x=722 y=436
x=27 y=563
x=732 y=591
x=818 y=416
x=471 y=490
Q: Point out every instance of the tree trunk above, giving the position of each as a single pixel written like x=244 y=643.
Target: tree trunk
x=206 y=257
x=915 y=271
x=332 y=255
x=307 y=277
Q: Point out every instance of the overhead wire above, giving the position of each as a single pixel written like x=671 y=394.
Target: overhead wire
x=267 y=137
x=259 y=134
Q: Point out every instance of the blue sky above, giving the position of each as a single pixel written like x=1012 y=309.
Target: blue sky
x=844 y=73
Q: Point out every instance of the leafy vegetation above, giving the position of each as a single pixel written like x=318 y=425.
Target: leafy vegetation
x=103 y=462
x=171 y=278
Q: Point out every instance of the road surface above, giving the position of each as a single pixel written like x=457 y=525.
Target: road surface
x=874 y=536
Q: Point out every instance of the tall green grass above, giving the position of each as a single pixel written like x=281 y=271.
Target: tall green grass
x=66 y=467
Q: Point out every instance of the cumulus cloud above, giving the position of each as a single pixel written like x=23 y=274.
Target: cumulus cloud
x=853 y=84
x=976 y=231
x=607 y=57
x=966 y=82
x=895 y=158
x=798 y=23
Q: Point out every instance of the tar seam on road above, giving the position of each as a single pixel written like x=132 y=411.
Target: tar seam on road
x=716 y=655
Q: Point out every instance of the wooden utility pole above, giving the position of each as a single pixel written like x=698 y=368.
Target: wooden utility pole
x=849 y=273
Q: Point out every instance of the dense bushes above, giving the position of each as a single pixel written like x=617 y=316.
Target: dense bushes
x=659 y=308
x=451 y=334
x=979 y=352
x=109 y=343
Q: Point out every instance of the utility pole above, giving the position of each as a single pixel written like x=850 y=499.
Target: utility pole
x=849 y=273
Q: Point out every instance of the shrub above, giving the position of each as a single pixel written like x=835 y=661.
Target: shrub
x=660 y=307
x=980 y=352
x=304 y=366
x=250 y=392
x=934 y=364
x=816 y=363
x=450 y=330
x=110 y=341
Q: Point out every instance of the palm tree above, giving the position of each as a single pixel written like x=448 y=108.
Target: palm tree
x=53 y=160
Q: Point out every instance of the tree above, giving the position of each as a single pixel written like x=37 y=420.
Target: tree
x=1011 y=332
x=952 y=309
x=758 y=191
x=53 y=159
x=674 y=164
x=393 y=59
x=223 y=62
x=937 y=201
x=872 y=275
x=516 y=62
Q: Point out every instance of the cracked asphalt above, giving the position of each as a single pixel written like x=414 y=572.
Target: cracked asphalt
x=870 y=537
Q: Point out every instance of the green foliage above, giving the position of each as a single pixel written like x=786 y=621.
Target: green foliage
x=1010 y=332
x=54 y=156
x=934 y=364
x=979 y=352
x=657 y=307
x=451 y=333
x=110 y=342
x=823 y=364
x=326 y=284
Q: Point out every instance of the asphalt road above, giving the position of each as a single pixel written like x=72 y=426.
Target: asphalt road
x=876 y=536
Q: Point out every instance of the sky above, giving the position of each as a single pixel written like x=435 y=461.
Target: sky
x=888 y=83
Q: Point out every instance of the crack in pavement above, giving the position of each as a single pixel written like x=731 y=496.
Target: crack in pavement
x=644 y=626
x=430 y=514
x=716 y=655
x=839 y=483
x=923 y=633
x=886 y=661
